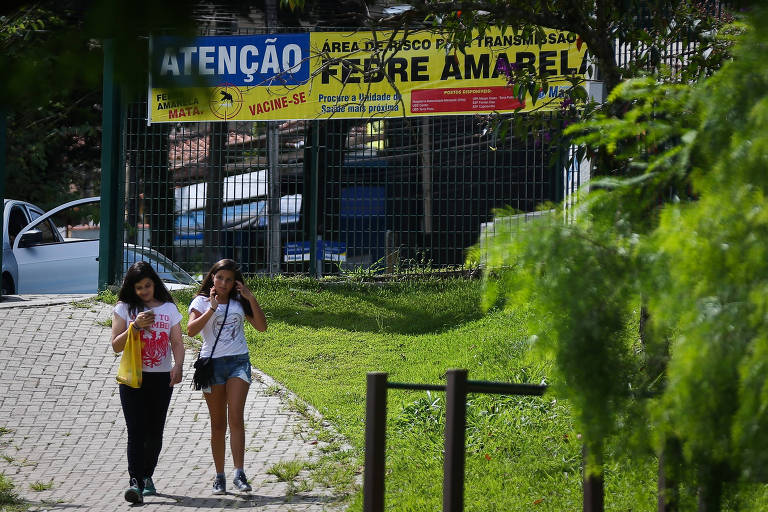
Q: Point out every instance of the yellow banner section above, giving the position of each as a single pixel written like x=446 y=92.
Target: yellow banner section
x=326 y=75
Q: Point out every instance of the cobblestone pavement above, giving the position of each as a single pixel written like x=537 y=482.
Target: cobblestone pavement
x=61 y=422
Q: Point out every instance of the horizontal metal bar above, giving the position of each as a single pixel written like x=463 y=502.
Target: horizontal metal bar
x=504 y=388
x=406 y=385
x=478 y=386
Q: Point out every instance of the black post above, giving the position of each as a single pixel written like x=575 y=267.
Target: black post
x=455 y=426
x=375 y=441
x=669 y=473
x=593 y=483
x=711 y=484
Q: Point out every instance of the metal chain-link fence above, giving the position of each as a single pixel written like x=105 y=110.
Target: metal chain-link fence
x=375 y=195
x=389 y=194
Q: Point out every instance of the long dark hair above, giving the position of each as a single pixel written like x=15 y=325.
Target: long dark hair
x=137 y=272
x=226 y=264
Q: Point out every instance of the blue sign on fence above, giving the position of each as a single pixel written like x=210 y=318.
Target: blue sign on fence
x=326 y=251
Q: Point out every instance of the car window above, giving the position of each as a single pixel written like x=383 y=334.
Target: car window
x=34 y=213
x=165 y=268
x=77 y=223
x=48 y=229
x=49 y=235
x=17 y=219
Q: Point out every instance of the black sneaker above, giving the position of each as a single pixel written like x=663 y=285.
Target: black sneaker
x=241 y=483
x=133 y=494
x=219 y=485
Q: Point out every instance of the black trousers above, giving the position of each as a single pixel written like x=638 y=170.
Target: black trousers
x=145 y=410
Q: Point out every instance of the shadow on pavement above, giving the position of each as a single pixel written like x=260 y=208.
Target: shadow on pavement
x=236 y=500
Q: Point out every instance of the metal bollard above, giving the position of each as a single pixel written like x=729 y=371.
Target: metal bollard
x=593 y=487
x=375 y=441
x=455 y=426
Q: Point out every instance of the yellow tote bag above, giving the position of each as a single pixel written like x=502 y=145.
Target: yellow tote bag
x=129 y=372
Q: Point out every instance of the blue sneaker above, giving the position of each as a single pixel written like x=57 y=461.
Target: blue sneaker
x=133 y=494
x=149 y=487
x=219 y=485
x=241 y=482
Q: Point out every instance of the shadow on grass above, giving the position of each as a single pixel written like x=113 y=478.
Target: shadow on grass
x=397 y=311
x=408 y=308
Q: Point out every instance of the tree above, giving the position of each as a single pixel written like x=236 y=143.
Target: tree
x=697 y=259
x=53 y=139
x=50 y=53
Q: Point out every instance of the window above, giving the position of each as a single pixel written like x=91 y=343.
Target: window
x=47 y=228
x=17 y=219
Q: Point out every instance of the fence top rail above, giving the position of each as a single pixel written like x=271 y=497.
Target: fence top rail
x=478 y=386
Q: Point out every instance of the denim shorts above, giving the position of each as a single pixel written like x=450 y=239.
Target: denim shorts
x=227 y=367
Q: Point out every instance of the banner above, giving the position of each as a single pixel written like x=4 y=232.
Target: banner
x=322 y=75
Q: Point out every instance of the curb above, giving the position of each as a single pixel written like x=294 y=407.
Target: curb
x=36 y=301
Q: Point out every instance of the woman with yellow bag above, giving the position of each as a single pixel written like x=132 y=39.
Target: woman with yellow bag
x=146 y=307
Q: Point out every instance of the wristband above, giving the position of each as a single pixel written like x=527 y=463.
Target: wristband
x=211 y=309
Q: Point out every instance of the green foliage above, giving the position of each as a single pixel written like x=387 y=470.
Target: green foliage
x=714 y=287
x=67 y=50
x=286 y=471
x=53 y=136
x=51 y=57
x=39 y=486
x=8 y=495
x=580 y=279
x=677 y=230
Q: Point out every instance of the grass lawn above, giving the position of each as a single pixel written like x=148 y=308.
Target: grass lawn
x=523 y=453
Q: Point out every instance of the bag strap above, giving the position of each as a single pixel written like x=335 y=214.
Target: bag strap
x=226 y=310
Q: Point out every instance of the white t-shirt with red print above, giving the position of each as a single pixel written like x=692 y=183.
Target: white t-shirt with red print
x=155 y=340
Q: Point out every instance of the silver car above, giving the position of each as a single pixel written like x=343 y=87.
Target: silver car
x=16 y=215
x=46 y=257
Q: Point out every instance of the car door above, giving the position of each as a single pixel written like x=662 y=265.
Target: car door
x=53 y=263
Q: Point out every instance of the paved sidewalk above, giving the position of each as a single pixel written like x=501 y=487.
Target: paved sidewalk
x=61 y=422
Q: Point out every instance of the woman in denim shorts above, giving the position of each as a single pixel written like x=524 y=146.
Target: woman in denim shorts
x=221 y=307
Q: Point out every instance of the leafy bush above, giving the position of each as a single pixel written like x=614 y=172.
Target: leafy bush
x=674 y=243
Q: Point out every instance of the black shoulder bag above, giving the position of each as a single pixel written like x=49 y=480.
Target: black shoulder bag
x=203 y=375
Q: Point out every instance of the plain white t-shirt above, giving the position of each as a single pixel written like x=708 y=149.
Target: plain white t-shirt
x=156 y=340
x=232 y=340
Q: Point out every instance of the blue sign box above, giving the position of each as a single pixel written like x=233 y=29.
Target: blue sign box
x=326 y=251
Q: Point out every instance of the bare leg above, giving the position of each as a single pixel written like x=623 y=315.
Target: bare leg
x=237 y=391
x=217 y=407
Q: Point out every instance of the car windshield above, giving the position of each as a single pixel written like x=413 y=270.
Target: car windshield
x=165 y=268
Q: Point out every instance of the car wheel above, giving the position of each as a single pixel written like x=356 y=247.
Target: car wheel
x=8 y=288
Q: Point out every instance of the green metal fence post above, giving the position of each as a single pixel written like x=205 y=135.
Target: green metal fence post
x=559 y=179
x=2 y=178
x=110 y=232
x=273 y=161
x=313 y=198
